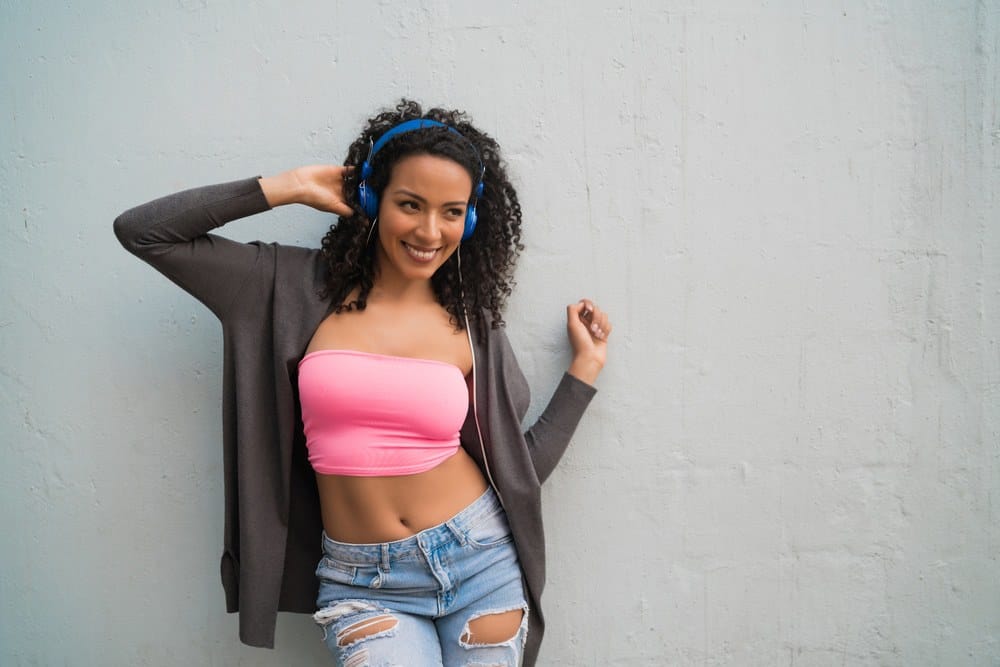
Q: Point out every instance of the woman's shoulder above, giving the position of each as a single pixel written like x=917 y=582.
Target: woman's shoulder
x=289 y=268
x=292 y=250
x=496 y=342
x=302 y=260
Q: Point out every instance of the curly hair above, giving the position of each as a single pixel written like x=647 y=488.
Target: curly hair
x=488 y=256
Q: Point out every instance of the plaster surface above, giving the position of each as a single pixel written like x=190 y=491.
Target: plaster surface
x=788 y=208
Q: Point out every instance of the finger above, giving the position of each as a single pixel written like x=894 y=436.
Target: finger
x=605 y=329
x=583 y=308
x=597 y=330
x=341 y=208
x=600 y=326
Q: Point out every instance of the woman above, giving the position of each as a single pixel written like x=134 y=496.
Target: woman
x=372 y=402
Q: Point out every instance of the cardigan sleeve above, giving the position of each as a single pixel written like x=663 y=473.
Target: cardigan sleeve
x=548 y=438
x=172 y=235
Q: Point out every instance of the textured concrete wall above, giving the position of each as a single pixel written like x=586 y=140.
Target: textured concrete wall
x=789 y=208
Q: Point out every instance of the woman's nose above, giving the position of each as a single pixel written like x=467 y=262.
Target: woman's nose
x=430 y=226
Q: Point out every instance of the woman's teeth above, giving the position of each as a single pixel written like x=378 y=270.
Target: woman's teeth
x=422 y=255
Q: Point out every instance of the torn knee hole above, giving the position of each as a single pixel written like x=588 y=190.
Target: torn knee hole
x=495 y=628
x=365 y=629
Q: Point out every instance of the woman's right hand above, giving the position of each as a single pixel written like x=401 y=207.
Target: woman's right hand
x=320 y=186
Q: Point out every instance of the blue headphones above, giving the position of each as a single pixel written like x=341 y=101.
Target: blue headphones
x=368 y=198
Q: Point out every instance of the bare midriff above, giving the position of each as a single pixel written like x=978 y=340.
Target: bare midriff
x=367 y=510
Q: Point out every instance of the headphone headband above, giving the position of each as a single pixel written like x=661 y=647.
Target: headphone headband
x=408 y=126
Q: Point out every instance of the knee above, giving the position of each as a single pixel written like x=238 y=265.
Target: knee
x=493 y=628
x=373 y=622
x=367 y=629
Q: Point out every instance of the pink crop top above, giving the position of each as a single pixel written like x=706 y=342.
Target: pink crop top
x=370 y=414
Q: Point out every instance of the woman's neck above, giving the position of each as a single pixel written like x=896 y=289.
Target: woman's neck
x=398 y=289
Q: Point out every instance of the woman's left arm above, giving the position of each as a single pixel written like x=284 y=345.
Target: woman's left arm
x=588 y=328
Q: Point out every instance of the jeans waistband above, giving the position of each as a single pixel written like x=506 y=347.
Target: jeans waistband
x=454 y=529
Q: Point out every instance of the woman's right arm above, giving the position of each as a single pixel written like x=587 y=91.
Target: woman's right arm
x=172 y=233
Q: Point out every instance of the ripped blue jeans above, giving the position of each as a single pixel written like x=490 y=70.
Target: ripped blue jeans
x=410 y=602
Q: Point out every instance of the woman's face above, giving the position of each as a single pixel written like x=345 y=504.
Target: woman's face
x=421 y=216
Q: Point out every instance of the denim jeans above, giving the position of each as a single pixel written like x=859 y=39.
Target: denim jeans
x=409 y=602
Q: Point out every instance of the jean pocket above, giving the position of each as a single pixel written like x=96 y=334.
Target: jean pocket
x=336 y=571
x=490 y=531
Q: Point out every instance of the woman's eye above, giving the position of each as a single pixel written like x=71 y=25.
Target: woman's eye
x=409 y=205
x=456 y=212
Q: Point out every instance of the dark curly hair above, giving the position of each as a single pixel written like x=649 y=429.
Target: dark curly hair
x=488 y=256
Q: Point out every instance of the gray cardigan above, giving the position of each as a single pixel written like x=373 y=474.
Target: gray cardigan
x=266 y=296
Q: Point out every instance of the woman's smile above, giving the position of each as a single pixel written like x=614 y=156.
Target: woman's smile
x=420 y=254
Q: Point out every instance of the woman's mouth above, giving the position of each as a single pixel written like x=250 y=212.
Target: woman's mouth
x=420 y=254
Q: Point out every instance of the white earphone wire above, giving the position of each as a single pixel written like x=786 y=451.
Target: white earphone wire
x=472 y=350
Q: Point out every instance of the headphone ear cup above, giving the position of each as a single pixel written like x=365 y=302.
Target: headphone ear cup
x=368 y=200
x=471 y=217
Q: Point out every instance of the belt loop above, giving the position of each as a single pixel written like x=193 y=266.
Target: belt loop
x=385 y=557
x=456 y=531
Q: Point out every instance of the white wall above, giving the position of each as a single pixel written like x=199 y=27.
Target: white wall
x=789 y=208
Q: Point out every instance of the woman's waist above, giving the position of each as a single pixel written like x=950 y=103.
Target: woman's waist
x=454 y=529
x=366 y=510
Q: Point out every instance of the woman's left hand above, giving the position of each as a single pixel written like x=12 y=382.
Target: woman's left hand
x=588 y=328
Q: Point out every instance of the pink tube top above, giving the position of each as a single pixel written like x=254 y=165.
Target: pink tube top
x=371 y=415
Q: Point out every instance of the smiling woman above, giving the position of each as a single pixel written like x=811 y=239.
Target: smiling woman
x=351 y=441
